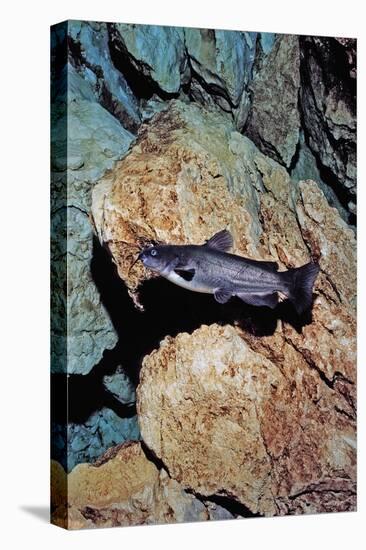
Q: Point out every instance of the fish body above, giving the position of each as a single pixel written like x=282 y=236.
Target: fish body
x=209 y=268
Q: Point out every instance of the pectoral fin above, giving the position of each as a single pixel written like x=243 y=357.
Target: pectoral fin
x=269 y=300
x=186 y=274
x=222 y=296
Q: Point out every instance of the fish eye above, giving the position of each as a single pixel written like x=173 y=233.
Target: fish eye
x=153 y=252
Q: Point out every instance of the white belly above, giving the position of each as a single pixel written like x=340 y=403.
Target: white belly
x=173 y=277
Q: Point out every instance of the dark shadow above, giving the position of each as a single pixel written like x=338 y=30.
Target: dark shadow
x=40 y=512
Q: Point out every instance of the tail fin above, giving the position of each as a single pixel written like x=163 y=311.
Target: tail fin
x=300 y=281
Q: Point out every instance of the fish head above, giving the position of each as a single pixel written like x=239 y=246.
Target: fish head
x=158 y=258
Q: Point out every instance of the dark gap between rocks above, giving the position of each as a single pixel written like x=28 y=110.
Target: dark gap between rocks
x=341 y=192
x=237 y=509
x=152 y=457
x=327 y=176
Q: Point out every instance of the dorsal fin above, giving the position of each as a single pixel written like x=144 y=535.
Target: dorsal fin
x=222 y=241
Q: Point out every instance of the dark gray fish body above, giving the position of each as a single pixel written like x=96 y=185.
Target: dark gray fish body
x=210 y=269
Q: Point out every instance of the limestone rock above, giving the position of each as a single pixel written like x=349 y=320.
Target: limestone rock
x=200 y=415
x=120 y=386
x=95 y=141
x=306 y=168
x=328 y=101
x=274 y=120
x=222 y=62
x=125 y=488
x=157 y=52
x=227 y=420
x=267 y=41
x=86 y=442
x=90 y=330
x=90 y=57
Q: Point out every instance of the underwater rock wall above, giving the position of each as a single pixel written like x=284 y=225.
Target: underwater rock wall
x=175 y=134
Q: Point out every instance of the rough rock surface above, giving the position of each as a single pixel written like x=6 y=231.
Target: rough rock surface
x=274 y=119
x=90 y=56
x=328 y=101
x=221 y=62
x=87 y=441
x=307 y=167
x=95 y=141
x=227 y=420
x=90 y=99
x=272 y=400
x=158 y=53
x=120 y=386
x=124 y=488
x=90 y=330
x=245 y=408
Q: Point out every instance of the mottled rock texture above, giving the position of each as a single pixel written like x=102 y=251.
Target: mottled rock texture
x=120 y=386
x=274 y=119
x=259 y=427
x=179 y=184
x=328 y=102
x=261 y=411
x=93 y=114
x=125 y=488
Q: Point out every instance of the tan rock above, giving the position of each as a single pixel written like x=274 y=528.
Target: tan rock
x=197 y=404
x=124 y=488
x=226 y=420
